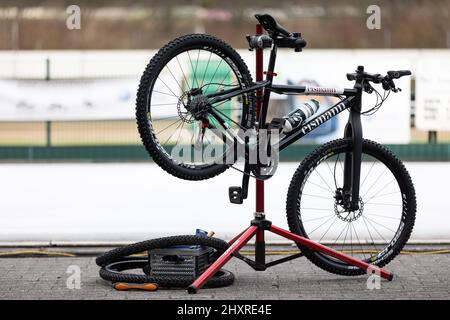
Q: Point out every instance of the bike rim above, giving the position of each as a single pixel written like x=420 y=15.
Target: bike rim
x=174 y=128
x=367 y=234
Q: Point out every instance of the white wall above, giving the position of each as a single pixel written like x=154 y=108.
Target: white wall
x=324 y=67
x=104 y=203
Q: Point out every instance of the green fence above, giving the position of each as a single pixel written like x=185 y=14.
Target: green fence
x=407 y=152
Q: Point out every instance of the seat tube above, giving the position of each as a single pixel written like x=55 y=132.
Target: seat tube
x=266 y=97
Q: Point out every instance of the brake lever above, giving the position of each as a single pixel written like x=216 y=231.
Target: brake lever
x=368 y=88
x=388 y=84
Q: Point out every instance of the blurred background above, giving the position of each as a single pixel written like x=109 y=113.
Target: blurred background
x=67 y=96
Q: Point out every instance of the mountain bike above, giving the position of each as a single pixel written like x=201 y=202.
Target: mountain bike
x=353 y=194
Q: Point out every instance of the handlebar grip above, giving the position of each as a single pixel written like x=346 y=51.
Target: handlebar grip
x=398 y=74
x=351 y=76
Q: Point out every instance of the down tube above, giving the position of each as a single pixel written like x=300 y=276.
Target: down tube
x=309 y=126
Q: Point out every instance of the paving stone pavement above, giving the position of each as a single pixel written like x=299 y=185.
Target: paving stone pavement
x=418 y=277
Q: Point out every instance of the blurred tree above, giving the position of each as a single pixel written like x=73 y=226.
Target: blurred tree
x=117 y=24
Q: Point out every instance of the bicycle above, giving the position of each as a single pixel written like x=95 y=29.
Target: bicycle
x=197 y=92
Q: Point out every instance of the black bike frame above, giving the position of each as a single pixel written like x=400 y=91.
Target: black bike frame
x=350 y=99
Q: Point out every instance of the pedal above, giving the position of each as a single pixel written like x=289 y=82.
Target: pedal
x=235 y=195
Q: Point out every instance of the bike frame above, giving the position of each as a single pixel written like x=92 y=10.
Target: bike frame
x=350 y=99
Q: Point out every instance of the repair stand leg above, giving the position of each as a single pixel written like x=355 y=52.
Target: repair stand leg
x=223 y=259
x=260 y=251
x=237 y=237
x=333 y=253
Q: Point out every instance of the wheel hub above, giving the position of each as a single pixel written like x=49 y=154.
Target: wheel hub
x=197 y=104
x=347 y=215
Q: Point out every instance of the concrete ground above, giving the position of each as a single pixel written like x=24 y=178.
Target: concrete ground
x=419 y=276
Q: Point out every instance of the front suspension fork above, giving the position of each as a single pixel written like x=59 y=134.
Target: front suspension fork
x=352 y=161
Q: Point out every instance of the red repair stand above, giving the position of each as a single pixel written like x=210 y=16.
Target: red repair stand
x=259 y=225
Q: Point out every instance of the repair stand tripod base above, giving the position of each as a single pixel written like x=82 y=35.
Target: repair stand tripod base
x=258 y=227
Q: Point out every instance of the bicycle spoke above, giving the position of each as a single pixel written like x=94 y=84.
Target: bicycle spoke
x=212 y=78
x=179 y=134
x=163 y=104
x=373 y=184
x=165 y=93
x=314 y=196
x=359 y=242
x=362 y=184
x=206 y=68
x=380 y=225
x=167 y=87
x=231 y=109
x=220 y=103
x=323 y=236
x=317 y=185
x=384 y=194
x=196 y=64
x=381 y=189
x=342 y=231
x=173 y=132
x=165 y=118
x=318 y=209
x=170 y=71
x=376 y=230
x=323 y=217
x=379 y=215
x=320 y=226
x=223 y=114
x=332 y=174
x=168 y=126
x=331 y=190
x=351 y=237
x=345 y=237
x=226 y=76
x=370 y=234
x=184 y=75
x=383 y=204
x=194 y=78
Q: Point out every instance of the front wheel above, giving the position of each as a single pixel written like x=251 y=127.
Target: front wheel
x=377 y=231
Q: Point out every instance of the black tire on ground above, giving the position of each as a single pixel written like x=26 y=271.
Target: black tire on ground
x=386 y=157
x=117 y=260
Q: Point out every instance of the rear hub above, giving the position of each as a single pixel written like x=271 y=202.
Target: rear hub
x=197 y=104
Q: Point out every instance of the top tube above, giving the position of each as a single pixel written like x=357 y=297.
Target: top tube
x=306 y=90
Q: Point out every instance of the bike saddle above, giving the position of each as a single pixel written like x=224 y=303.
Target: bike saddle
x=271 y=25
x=282 y=37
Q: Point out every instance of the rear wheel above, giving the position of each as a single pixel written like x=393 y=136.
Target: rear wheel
x=171 y=109
x=377 y=231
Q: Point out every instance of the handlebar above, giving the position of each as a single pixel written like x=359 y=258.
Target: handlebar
x=386 y=81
